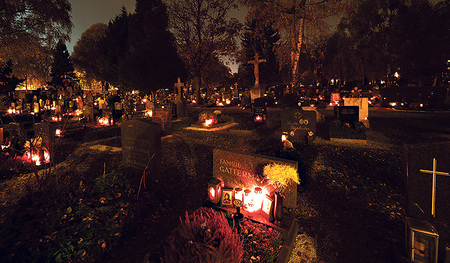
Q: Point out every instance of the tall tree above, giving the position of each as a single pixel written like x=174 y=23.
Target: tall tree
x=62 y=71
x=295 y=20
x=152 y=62
x=8 y=82
x=86 y=51
x=203 y=30
x=29 y=29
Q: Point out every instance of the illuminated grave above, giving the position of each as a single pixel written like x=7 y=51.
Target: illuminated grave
x=212 y=121
x=242 y=177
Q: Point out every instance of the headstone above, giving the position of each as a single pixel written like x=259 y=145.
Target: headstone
x=238 y=170
x=259 y=108
x=419 y=190
x=348 y=114
x=362 y=104
x=47 y=131
x=181 y=107
x=299 y=124
x=101 y=104
x=141 y=139
x=163 y=116
x=1 y=136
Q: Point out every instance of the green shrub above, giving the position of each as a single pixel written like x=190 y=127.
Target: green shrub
x=355 y=130
x=204 y=236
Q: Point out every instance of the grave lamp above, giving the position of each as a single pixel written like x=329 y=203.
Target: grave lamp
x=284 y=136
x=258 y=198
x=214 y=190
x=238 y=194
x=258 y=118
x=249 y=202
x=58 y=132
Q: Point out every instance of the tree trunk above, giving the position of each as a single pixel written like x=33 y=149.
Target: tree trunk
x=296 y=53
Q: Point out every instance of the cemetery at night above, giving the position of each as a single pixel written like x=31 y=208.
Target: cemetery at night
x=225 y=131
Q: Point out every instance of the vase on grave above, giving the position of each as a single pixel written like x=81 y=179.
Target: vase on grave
x=278 y=207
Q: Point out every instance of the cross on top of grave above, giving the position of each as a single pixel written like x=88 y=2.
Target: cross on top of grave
x=256 y=63
x=433 y=186
x=179 y=85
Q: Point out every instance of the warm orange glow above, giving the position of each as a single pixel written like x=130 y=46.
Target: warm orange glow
x=35 y=157
x=58 y=132
x=11 y=111
x=149 y=113
x=258 y=118
x=56 y=118
x=104 y=121
x=258 y=198
x=209 y=122
x=212 y=193
x=283 y=137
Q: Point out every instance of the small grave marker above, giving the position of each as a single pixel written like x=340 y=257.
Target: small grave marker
x=259 y=109
x=299 y=124
x=349 y=114
x=141 y=139
x=163 y=116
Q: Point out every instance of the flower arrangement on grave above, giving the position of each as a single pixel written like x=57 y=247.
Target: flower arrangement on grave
x=208 y=118
x=280 y=176
x=204 y=236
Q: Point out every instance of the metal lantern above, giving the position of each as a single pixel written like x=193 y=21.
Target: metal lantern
x=214 y=190
x=422 y=241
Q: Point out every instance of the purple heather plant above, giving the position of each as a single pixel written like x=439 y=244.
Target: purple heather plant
x=204 y=236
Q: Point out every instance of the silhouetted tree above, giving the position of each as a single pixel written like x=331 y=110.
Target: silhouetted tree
x=8 y=82
x=62 y=72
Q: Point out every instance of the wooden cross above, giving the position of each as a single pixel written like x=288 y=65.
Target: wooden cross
x=179 y=85
x=433 y=187
x=256 y=62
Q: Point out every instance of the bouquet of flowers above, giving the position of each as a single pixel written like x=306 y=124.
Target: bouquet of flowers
x=280 y=175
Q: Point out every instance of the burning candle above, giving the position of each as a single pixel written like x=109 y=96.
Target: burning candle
x=258 y=198
x=238 y=194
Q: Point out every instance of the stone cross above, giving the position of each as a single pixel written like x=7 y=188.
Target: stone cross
x=179 y=85
x=235 y=85
x=256 y=63
x=433 y=187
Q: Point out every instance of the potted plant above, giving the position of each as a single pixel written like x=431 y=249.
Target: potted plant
x=280 y=176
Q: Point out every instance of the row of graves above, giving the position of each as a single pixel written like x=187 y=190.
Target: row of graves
x=246 y=186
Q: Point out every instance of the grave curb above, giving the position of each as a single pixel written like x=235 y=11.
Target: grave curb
x=219 y=128
x=289 y=239
x=342 y=140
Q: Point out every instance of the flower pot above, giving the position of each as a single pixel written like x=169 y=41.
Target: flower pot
x=278 y=207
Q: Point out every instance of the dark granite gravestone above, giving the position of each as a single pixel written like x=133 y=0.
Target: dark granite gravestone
x=181 y=107
x=140 y=140
x=349 y=114
x=46 y=131
x=163 y=116
x=259 y=108
x=239 y=170
x=299 y=124
x=419 y=185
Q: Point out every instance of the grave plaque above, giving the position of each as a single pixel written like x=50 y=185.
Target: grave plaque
x=299 y=124
x=141 y=139
x=349 y=114
x=239 y=170
x=259 y=108
x=163 y=116
x=362 y=104
x=419 y=182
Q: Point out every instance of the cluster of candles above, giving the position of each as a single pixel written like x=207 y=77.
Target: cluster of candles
x=104 y=121
x=252 y=199
x=38 y=157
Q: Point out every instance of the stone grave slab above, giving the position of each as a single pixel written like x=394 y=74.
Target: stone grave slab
x=349 y=114
x=47 y=131
x=259 y=108
x=246 y=171
x=140 y=140
x=419 y=184
x=299 y=124
x=362 y=104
